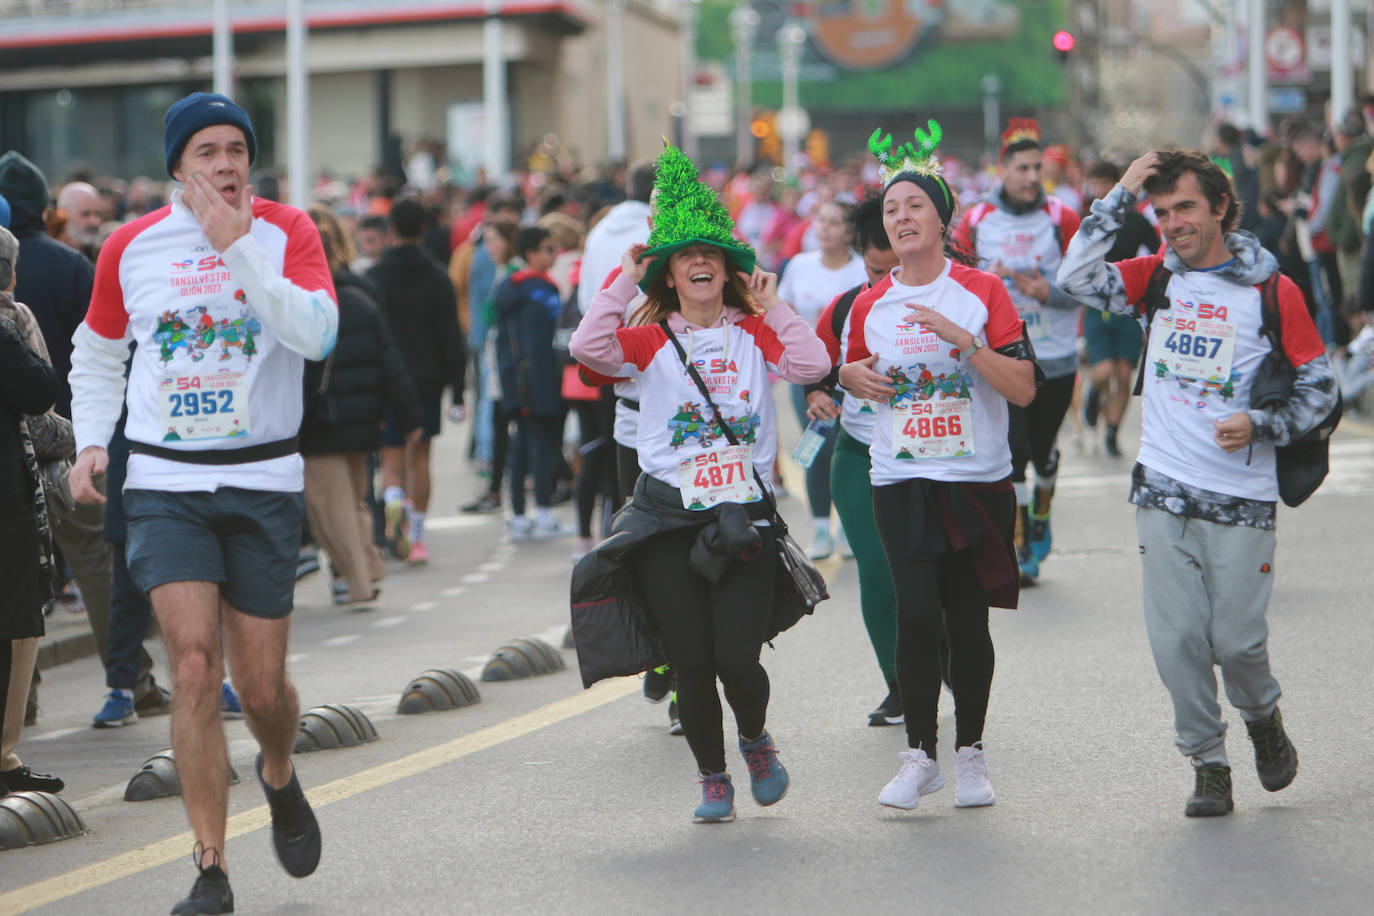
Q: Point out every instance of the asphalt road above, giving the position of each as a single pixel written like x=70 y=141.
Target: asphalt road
x=544 y=798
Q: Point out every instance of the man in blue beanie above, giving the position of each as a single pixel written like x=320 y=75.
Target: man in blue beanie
x=225 y=297
x=4 y=212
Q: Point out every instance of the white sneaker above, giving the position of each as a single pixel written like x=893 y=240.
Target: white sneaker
x=971 y=786
x=822 y=546
x=842 y=542
x=919 y=776
x=548 y=530
x=520 y=527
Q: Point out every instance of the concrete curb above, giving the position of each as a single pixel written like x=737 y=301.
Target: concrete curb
x=67 y=645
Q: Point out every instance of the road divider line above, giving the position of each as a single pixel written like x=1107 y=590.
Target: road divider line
x=153 y=855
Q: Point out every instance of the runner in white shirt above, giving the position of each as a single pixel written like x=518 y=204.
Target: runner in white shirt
x=704 y=563
x=226 y=296
x=1205 y=483
x=939 y=347
x=810 y=282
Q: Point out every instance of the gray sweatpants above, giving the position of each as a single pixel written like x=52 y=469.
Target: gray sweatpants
x=1206 y=591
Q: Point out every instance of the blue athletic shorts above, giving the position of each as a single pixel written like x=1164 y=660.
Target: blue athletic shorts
x=431 y=419
x=246 y=541
x=1112 y=337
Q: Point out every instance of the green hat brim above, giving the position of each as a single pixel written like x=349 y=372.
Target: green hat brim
x=737 y=255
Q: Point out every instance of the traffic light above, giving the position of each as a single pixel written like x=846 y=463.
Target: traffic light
x=1063 y=43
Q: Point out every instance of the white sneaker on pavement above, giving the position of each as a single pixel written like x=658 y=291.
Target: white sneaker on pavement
x=971 y=786
x=918 y=776
x=822 y=547
x=549 y=529
x=520 y=528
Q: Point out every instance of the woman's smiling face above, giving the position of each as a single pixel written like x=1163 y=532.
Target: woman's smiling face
x=698 y=273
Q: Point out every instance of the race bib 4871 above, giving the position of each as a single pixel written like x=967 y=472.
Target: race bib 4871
x=718 y=475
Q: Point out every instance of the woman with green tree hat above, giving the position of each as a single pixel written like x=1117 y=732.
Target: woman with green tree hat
x=704 y=559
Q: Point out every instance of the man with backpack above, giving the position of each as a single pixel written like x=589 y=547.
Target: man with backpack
x=1223 y=326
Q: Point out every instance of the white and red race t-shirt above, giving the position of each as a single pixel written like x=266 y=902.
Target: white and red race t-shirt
x=857 y=415
x=1202 y=357
x=946 y=422
x=1027 y=242
x=209 y=372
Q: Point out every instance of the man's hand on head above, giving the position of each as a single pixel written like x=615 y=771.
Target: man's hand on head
x=1143 y=168
x=222 y=224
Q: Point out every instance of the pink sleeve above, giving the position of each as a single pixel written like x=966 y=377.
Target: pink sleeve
x=789 y=345
x=595 y=343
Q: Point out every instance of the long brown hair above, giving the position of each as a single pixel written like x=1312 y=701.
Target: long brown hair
x=661 y=299
x=338 y=248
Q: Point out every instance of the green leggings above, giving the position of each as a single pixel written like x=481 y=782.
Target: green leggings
x=853 y=497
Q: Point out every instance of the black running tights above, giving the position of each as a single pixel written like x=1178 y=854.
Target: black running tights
x=926 y=591
x=597 y=474
x=1032 y=430
x=711 y=631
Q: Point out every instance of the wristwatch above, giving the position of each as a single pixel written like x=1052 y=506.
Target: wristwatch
x=975 y=344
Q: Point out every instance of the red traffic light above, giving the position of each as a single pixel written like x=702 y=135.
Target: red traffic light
x=1063 y=42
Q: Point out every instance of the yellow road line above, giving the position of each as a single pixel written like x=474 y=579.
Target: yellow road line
x=88 y=877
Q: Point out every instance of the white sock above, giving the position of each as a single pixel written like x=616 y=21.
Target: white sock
x=128 y=694
x=417 y=527
x=394 y=495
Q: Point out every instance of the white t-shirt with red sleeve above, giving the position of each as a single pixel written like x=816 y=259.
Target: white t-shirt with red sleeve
x=946 y=422
x=856 y=413
x=1201 y=361
x=221 y=343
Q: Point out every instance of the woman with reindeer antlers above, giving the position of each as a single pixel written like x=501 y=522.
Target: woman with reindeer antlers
x=701 y=347
x=938 y=346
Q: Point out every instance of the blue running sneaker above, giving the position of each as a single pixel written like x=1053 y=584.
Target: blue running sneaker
x=229 y=706
x=1029 y=566
x=1041 y=539
x=118 y=710
x=767 y=778
x=717 y=800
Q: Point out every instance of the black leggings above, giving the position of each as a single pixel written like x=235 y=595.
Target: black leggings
x=1031 y=430
x=927 y=592
x=711 y=631
x=597 y=474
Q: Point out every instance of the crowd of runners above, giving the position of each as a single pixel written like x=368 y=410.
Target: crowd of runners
x=233 y=374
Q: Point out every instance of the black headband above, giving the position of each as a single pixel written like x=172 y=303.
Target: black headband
x=936 y=189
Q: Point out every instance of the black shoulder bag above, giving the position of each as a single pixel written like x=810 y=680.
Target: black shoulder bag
x=798 y=586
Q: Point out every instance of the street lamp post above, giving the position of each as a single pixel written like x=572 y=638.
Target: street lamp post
x=792 y=120
x=496 y=158
x=992 y=110
x=297 y=106
x=615 y=80
x=744 y=22
x=222 y=49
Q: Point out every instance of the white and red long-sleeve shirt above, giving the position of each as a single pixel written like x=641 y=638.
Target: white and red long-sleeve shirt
x=1033 y=241
x=221 y=340
x=946 y=422
x=734 y=357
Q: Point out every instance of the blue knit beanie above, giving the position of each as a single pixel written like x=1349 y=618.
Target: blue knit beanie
x=198 y=111
x=4 y=212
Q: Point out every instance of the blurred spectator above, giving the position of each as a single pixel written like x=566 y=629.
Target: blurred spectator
x=345 y=401
x=84 y=211
x=371 y=237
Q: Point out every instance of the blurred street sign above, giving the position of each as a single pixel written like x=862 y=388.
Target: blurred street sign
x=1319 y=47
x=1287 y=100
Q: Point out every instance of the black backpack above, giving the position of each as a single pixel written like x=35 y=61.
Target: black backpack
x=1303 y=464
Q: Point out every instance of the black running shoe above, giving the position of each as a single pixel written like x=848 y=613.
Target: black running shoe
x=1276 y=760
x=210 y=893
x=295 y=832
x=889 y=711
x=22 y=779
x=658 y=683
x=1091 y=402
x=674 y=723
x=1109 y=443
x=1211 y=791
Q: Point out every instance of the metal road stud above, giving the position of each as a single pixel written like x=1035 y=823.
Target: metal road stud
x=438 y=688
x=36 y=818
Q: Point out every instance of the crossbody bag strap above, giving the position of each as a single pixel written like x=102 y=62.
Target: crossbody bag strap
x=724 y=428
x=1155 y=298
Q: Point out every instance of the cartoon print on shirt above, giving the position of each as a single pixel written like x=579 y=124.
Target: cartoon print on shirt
x=689 y=422
x=171 y=333
x=927 y=385
x=174 y=333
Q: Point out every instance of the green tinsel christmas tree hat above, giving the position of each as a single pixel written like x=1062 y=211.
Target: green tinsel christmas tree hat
x=687 y=212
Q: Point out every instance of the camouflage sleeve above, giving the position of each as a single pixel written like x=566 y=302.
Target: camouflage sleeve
x=1314 y=394
x=1085 y=274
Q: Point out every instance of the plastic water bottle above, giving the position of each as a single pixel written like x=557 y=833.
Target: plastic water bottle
x=817 y=432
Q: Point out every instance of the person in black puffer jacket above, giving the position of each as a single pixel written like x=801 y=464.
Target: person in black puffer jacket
x=346 y=397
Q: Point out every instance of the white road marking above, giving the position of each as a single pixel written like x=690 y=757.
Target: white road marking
x=341 y=640
x=297 y=658
x=454 y=522
x=424 y=606
x=59 y=733
x=492 y=567
x=475 y=578
x=453 y=592
x=389 y=621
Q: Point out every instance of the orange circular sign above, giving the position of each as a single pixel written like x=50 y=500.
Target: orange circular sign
x=868 y=34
